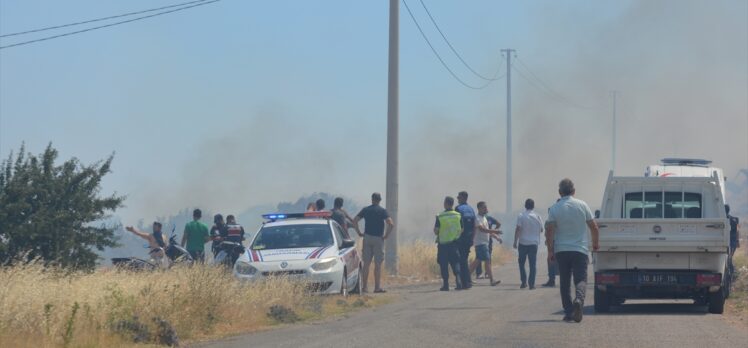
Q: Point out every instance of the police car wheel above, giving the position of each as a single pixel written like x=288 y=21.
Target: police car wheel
x=357 y=289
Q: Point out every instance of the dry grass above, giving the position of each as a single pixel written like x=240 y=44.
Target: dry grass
x=41 y=307
x=737 y=304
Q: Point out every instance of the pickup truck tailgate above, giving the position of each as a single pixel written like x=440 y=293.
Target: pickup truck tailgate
x=663 y=234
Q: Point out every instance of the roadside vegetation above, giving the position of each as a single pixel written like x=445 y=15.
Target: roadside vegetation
x=737 y=304
x=42 y=306
x=48 y=306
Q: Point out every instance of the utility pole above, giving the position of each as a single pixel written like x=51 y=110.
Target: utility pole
x=615 y=133
x=508 y=53
x=392 y=134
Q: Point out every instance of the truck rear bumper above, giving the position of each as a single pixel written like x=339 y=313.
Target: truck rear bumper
x=658 y=283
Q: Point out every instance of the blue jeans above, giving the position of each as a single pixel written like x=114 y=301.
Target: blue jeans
x=479 y=269
x=525 y=252
x=552 y=271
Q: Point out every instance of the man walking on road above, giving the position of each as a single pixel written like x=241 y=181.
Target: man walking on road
x=568 y=221
x=466 y=238
x=374 y=235
x=195 y=236
x=447 y=229
x=526 y=240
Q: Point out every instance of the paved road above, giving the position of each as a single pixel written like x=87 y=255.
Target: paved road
x=504 y=316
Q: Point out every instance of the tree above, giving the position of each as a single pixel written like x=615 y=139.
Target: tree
x=54 y=212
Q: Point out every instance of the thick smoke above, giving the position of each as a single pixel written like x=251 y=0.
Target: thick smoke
x=681 y=69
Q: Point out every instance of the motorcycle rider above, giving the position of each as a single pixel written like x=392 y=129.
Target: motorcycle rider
x=156 y=241
x=216 y=232
x=234 y=231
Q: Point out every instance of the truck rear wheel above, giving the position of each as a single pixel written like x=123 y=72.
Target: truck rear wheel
x=728 y=279
x=602 y=301
x=717 y=302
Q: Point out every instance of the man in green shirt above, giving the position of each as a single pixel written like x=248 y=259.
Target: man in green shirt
x=195 y=236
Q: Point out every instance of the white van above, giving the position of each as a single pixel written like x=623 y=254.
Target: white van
x=663 y=236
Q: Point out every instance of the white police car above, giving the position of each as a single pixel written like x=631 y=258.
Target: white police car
x=308 y=246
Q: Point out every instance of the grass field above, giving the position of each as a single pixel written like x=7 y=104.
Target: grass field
x=44 y=307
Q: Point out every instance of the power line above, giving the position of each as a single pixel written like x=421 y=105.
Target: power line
x=108 y=25
x=444 y=64
x=546 y=88
x=100 y=19
x=494 y=78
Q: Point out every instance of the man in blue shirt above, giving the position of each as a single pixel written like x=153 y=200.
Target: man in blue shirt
x=465 y=242
x=568 y=221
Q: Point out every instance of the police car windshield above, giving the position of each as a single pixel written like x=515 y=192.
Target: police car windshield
x=293 y=236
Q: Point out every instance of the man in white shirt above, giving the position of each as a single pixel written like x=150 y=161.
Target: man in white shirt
x=480 y=240
x=526 y=240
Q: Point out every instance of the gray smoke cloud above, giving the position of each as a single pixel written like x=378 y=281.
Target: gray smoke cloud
x=681 y=68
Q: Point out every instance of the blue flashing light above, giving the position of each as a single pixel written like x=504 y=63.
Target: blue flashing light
x=274 y=216
x=309 y=214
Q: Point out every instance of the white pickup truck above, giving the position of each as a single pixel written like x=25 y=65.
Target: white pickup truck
x=663 y=237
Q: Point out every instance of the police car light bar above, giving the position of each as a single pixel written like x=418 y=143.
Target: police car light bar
x=309 y=214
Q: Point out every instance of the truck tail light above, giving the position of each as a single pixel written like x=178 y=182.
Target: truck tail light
x=708 y=279
x=607 y=278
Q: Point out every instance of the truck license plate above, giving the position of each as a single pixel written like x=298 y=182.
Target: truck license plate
x=658 y=279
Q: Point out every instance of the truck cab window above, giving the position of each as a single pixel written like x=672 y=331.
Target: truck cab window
x=692 y=205
x=658 y=205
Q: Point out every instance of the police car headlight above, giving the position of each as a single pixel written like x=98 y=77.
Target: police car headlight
x=244 y=268
x=325 y=264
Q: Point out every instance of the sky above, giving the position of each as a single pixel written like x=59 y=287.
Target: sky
x=237 y=104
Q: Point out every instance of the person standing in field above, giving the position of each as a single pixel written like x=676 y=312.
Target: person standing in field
x=375 y=218
x=447 y=229
x=567 y=227
x=526 y=241
x=195 y=236
x=156 y=241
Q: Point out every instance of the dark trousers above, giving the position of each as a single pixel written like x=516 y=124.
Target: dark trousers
x=448 y=255
x=464 y=251
x=525 y=252
x=572 y=264
x=198 y=255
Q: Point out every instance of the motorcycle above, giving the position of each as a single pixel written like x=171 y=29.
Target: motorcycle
x=175 y=254
x=227 y=253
